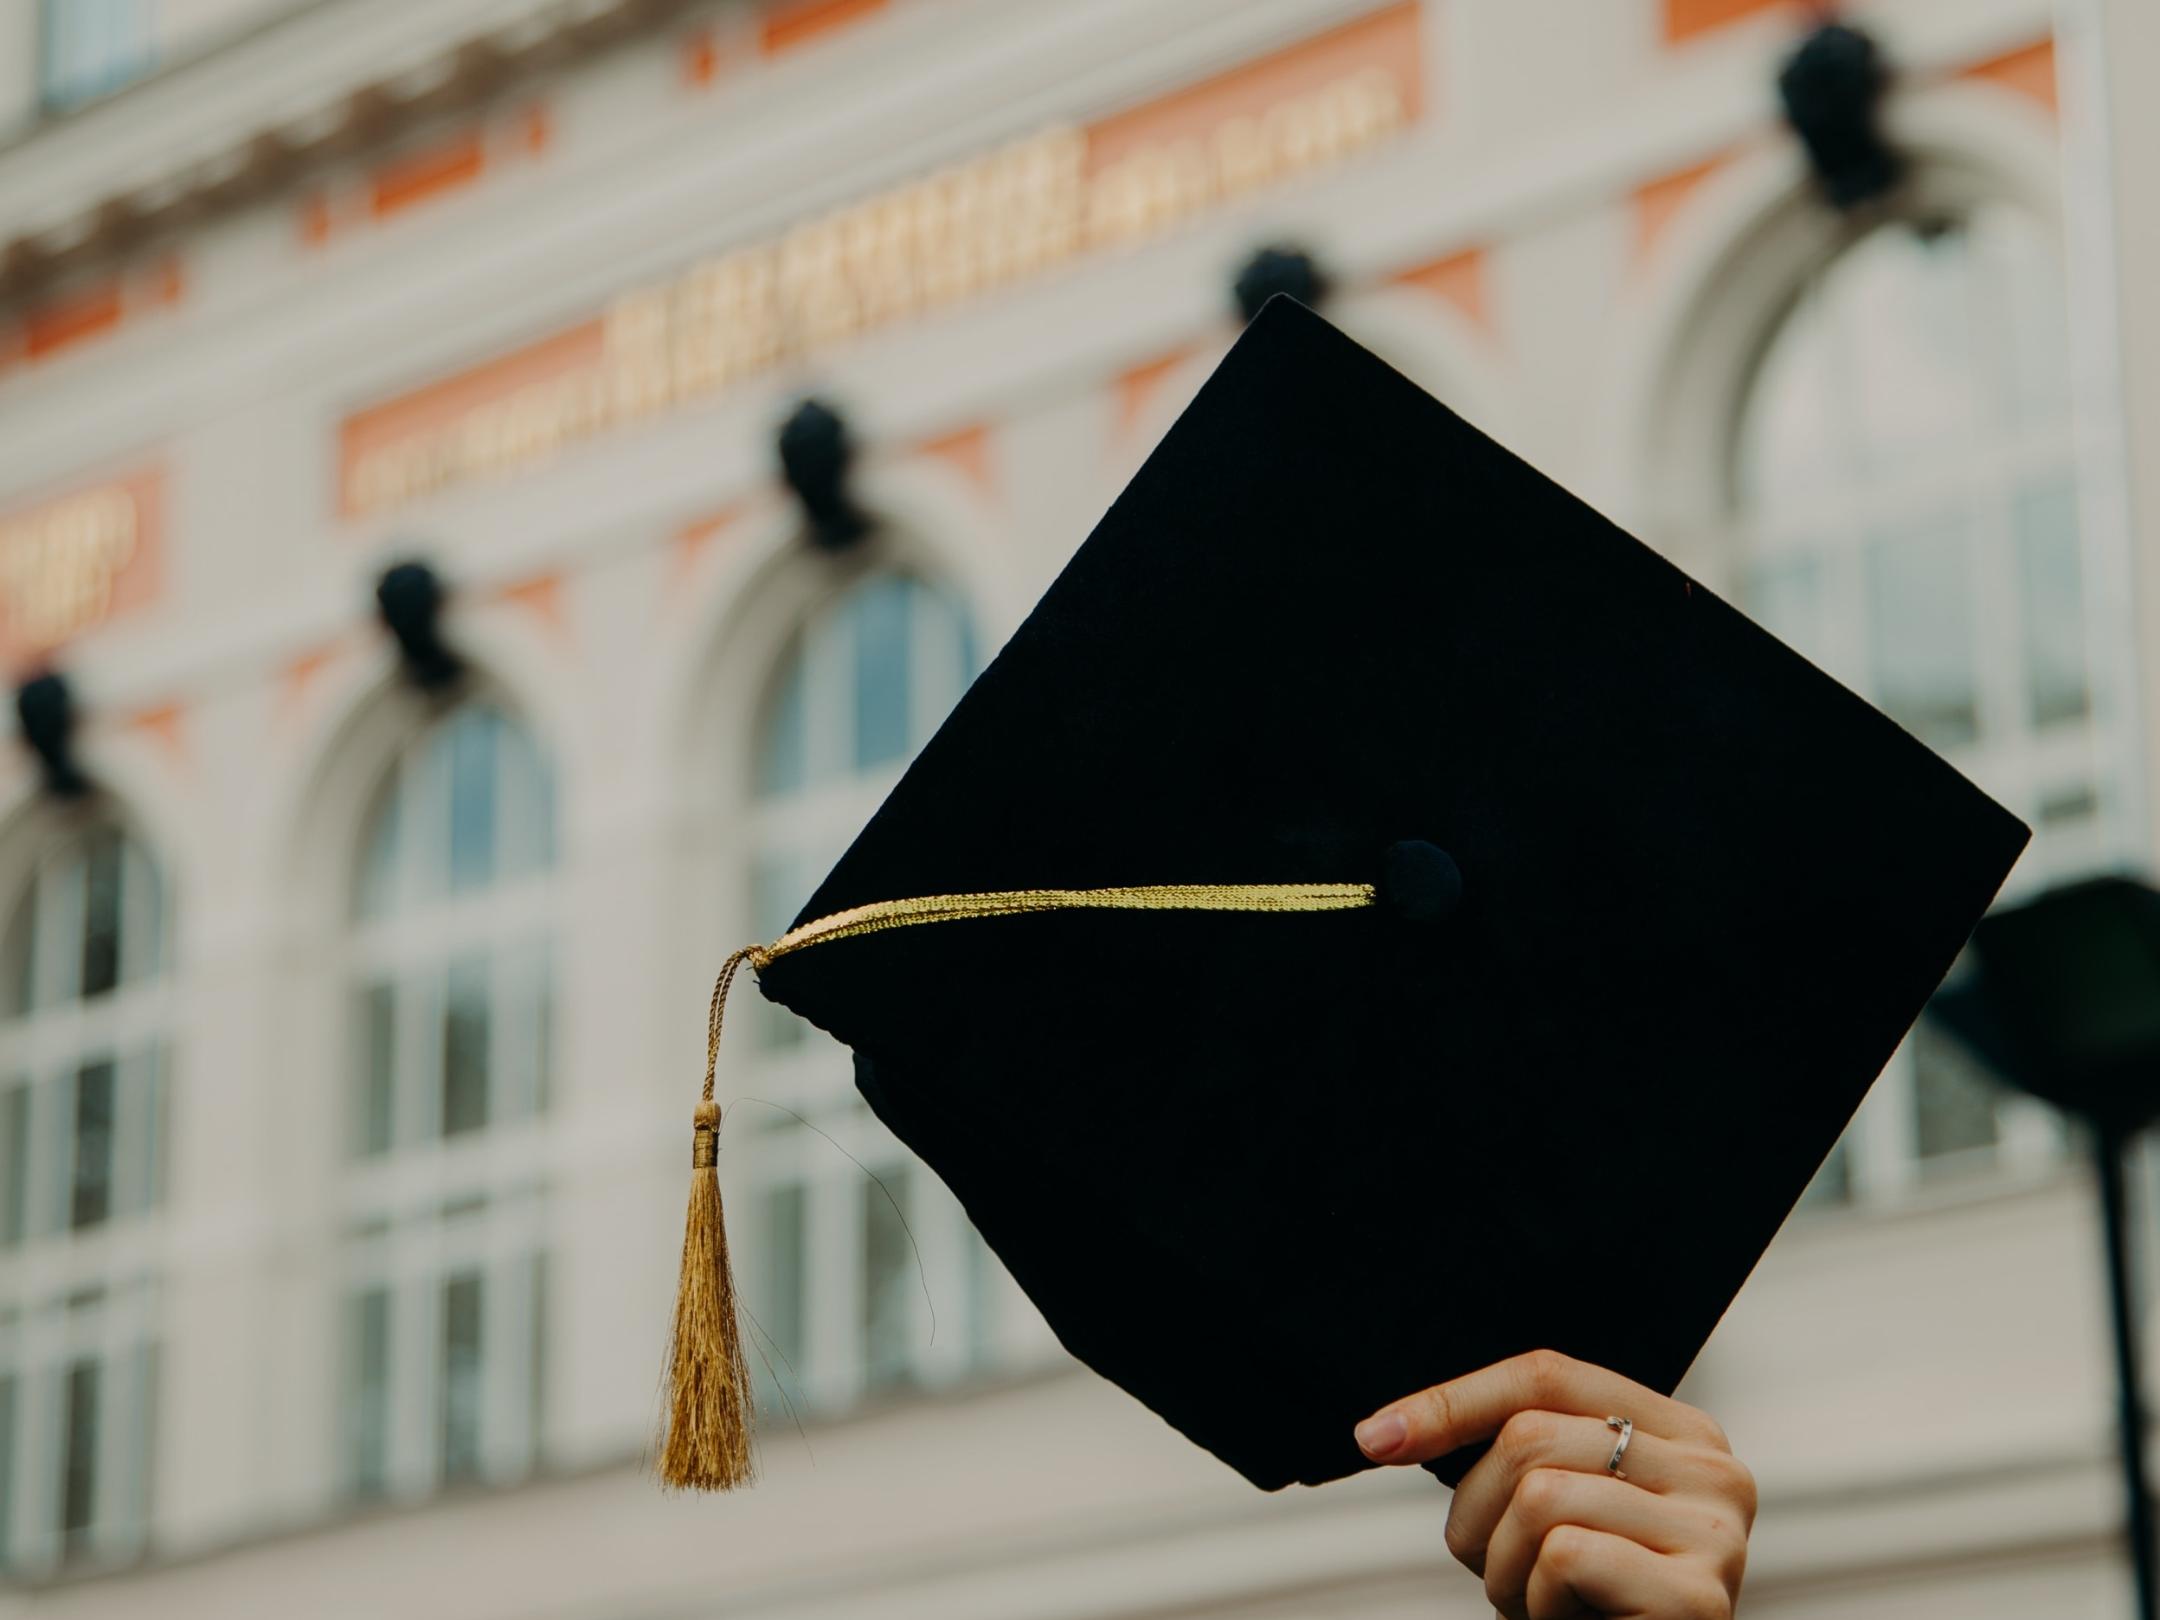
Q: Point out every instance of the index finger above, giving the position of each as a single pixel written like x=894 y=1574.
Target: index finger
x=1472 y=1408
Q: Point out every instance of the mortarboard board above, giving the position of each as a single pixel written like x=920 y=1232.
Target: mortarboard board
x=1380 y=918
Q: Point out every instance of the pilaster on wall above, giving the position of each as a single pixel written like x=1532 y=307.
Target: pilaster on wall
x=2110 y=46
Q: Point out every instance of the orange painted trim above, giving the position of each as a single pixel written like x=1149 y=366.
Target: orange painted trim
x=968 y=452
x=1657 y=204
x=299 y=677
x=66 y=322
x=1138 y=385
x=315 y=219
x=1459 y=280
x=430 y=172
x=1388 y=41
x=694 y=535
x=542 y=597
x=1333 y=94
x=168 y=281
x=535 y=129
x=1684 y=19
x=166 y=724
x=2030 y=71
x=694 y=541
x=789 y=24
x=700 y=57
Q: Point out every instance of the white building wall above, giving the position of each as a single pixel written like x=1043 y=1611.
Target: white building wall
x=1922 y=1392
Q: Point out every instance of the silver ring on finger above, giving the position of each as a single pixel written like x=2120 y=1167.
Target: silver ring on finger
x=1625 y=1428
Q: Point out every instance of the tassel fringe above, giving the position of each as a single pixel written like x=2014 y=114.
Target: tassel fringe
x=706 y=1446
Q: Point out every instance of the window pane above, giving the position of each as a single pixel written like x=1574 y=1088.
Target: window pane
x=528 y=803
x=944 y=659
x=544 y=1034
x=376 y=893
x=367 y=1410
x=56 y=947
x=465 y=1046
x=985 y=1286
x=888 y=1282
x=9 y=1431
x=2029 y=308
x=91 y=48
x=142 y=911
x=461 y=1378
x=536 y=1342
x=160 y=1124
x=2052 y=596
x=90 y=1202
x=22 y=953
x=780 y=885
x=2068 y=828
x=1785 y=598
x=783 y=742
x=160 y=1115
x=1920 y=632
x=544 y=1075
x=1913 y=383
x=1832 y=1184
x=137 y=1134
x=78 y=1461
x=376 y=1109
x=14 y=1163
x=783 y=1311
x=145 y=1360
x=101 y=915
x=471 y=738
x=880 y=612
x=1789 y=443
x=777 y=892
x=526 y=1048
x=1954 y=1101
x=967 y=658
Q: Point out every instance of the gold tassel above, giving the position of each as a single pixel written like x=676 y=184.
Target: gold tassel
x=707 y=1444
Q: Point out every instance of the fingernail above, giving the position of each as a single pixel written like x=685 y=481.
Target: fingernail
x=1382 y=1435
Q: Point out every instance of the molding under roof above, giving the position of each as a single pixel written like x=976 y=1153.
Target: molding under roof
x=219 y=132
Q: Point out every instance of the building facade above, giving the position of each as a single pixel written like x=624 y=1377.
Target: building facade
x=348 y=1031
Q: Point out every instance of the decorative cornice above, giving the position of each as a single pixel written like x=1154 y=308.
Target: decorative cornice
x=275 y=157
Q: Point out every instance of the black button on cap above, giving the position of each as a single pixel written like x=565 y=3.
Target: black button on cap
x=1420 y=882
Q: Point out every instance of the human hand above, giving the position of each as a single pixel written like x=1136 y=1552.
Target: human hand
x=1554 y=1534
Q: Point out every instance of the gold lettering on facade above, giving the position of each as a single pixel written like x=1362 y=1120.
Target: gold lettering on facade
x=968 y=229
x=58 y=564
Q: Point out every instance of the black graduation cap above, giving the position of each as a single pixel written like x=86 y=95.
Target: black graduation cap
x=1374 y=918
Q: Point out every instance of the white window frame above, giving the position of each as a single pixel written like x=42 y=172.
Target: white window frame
x=2019 y=764
x=87 y=49
x=70 y=1294
x=430 y=1208
x=949 y=1315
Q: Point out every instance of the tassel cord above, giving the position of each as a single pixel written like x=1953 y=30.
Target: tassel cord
x=705 y=1444
x=756 y=956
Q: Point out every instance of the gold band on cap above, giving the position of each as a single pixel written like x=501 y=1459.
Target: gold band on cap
x=881 y=915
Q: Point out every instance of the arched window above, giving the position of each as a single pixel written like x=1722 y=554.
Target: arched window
x=842 y=1311
x=85 y=1018
x=451 y=966
x=1904 y=477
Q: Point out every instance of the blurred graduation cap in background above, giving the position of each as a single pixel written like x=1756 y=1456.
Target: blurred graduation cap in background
x=1373 y=918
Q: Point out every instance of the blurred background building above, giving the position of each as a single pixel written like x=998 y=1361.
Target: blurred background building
x=348 y=1032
